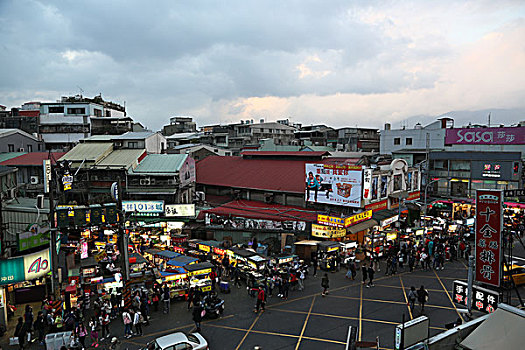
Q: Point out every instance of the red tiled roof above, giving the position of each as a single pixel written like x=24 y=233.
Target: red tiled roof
x=284 y=154
x=262 y=174
x=265 y=211
x=29 y=113
x=33 y=158
x=281 y=175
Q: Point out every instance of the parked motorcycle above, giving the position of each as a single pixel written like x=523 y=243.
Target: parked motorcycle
x=213 y=305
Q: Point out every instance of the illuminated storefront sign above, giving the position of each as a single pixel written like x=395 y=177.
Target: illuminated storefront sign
x=484 y=300
x=182 y=210
x=327 y=231
x=143 y=207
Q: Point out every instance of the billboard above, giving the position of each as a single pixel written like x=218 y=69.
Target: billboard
x=334 y=184
x=348 y=221
x=141 y=207
x=34 y=236
x=484 y=300
x=494 y=170
x=25 y=268
x=489 y=224
x=327 y=231
x=184 y=210
x=486 y=136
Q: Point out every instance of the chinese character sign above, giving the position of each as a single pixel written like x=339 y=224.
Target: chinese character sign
x=484 y=300
x=489 y=222
x=333 y=184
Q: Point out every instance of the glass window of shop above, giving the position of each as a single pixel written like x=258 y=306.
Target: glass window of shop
x=461 y=165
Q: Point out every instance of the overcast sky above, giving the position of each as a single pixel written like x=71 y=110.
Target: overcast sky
x=343 y=63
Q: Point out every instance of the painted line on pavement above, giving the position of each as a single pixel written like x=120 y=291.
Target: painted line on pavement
x=448 y=295
x=406 y=299
x=248 y=331
x=390 y=301
x=360 y=311
x=304 y=325
x=398 y=287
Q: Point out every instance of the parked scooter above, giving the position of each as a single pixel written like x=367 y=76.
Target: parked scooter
x=213 y=305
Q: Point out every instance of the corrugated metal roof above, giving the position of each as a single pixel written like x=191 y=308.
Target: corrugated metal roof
x=32 y=159
x=7 y=132
x=10 y=155
x=160 y=163
x=134 y=135
x=121 y=158
x=266 y=211
x=92 y=151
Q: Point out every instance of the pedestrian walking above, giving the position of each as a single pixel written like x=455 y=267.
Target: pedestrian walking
x=104 y=321
x=81 y=333
x=261 y=299
x=364 y=271
x=126 y=318
x=21 y=332
x=93 y=327
x=166 y=299
x=412 y=296
x=198 y=314
x=300 y=280
x=138 y=320
x=39 y=326
x=370 y=276
x=314 y=264
x=422 y=297
x=325 y=284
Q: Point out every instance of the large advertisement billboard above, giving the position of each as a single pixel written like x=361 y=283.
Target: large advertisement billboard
x=485 y=136
x=489 y=224
x=334 y=184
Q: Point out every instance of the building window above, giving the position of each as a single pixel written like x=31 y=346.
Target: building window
x=98 y=112
x=76 y=111
x=11 y=147
x=108 y=114
x=56 y=109
x=397 y=141
x=408 y=141
x=133 y=144
x=30 y=148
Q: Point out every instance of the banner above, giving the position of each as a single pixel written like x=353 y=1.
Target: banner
x=24 y=268
x=182 y=210
x=343 y=222
x=333 y=184
x=327 y=231
x=34 y=236
x=486 y=136
x=489 y=224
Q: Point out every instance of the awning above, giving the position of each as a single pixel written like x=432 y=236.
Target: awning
x=139 y=259
x=181 y=261
x=167 y=254
x=361 y=226
x=503 y=329
x=386 y=217
x=199 y=267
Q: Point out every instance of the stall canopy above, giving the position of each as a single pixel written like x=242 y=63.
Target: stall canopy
x=175 y=271
x=503 y=329
x=328 y=244
x=136 y=258
x=243 y=253
x=198 y=267
x=182 y=260
x=362 y=226
x=152 y=251
x=167 y=254
x=383 y=216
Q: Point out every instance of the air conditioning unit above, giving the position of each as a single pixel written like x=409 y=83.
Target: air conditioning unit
x=34 y=180
x=268 y=197
x=172 y=182
x=201 y=196
x=40 y=201
x=21 y=149
x=94 y=178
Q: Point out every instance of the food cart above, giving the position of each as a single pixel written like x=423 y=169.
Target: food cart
x=258 y=262
x=348 y=249
x=199 y=275
x=327 y=252
x=305 y=249
x=177 y=281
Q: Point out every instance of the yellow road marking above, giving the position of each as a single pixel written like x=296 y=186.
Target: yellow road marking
x=406 y=299
x=445 y=278
x=248 y=331
x=305 y=322
x=398 y=287
x=360 y=311
x=346 y=317
x=390 y=301
x=448 y=295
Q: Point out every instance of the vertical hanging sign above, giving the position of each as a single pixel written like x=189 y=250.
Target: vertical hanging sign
x=46 y=163
x=489 y=225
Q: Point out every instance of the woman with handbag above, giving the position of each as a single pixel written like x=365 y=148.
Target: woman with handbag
x=81 y=333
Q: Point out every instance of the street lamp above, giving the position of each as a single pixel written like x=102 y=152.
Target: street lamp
x=425 y=208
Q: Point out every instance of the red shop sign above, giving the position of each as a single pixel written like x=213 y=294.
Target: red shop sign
x=489 y=224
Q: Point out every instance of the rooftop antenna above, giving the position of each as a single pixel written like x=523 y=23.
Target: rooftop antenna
x=489 y=119
x=80 y=89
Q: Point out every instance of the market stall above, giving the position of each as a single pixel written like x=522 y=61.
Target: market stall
x=177 y=281
x=180 y=261
x=327 y=252
x=304 y=249
x=199 y=275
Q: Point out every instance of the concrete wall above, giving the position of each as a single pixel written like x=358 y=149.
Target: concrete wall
x=19 y=141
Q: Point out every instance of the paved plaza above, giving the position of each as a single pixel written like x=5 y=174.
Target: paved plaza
x=309 y=321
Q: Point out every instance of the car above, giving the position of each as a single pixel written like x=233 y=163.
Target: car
x=178 y=341
x=517 y=272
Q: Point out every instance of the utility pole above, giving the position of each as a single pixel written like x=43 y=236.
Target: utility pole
x=122 y=236
x=55 y=289
x=470 y=281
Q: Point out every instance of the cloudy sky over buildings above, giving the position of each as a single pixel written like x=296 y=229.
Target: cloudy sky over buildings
x=342 y=63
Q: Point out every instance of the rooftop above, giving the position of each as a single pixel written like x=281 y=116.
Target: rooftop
x=91 y=151
x=121 y=158
x=7 y=132
x=33 y=159
x=134 y=135
x=9 y=155
x=160 y=164
x=265 y=211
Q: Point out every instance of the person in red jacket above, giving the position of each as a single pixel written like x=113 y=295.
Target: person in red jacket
x=261 y=300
